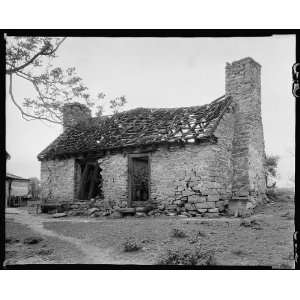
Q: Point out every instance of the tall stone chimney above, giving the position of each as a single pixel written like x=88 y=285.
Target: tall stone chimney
x=243 y=84
x=73 y=113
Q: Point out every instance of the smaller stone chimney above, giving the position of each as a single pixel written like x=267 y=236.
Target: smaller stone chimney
x=73 y=113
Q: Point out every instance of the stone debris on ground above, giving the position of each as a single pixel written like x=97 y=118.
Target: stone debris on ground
x=10 y=240
x=91 y=211
x=59 y=215
x=188 y=207
x=32 y=240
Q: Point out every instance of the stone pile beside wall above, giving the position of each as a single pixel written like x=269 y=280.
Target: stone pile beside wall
x=190 y=206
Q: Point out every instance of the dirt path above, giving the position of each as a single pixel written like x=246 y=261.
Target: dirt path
x=92 y=254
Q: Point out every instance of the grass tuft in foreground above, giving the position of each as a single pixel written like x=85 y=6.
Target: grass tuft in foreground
x=131 y=245
x=178 y=233
x=187 y=256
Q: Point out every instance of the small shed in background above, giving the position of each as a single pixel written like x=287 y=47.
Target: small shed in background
x=16 y=190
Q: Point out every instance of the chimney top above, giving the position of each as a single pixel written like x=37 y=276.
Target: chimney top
x=72 y=105
x=243 y=61
x=73 y=113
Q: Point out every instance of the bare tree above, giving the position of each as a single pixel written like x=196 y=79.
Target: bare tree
x=34 y=187
x=32 y=59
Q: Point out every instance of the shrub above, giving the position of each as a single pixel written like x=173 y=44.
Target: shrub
x=10 y=240
x=178 y=233
x=252 y=224
x=45 y=251
x=288 y=215
x=271 y=194
x=285 y=266
x=201 y=233
x=193 y=240
x=187 y=256
x=131 y=245
x=238 y=252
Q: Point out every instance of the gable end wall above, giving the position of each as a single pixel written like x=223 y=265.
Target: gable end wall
x=195 y=177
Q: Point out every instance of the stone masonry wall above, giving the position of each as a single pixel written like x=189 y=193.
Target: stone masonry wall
x=57 y=180
x=243 y=84
x=115 y=179
x=194 y=178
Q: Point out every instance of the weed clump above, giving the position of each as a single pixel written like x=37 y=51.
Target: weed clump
x=288 y=215
x=201 y=233
x=45 y=251
x=131 y=245
x=178 y=233
x=10 y=240
x=187 y=256
x=238 y=252
x=254 y=224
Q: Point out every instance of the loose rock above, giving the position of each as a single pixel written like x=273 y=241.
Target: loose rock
x=59 y=215
x=116 y=215
x=92 y=210
x=140 y=214
x=32 y=240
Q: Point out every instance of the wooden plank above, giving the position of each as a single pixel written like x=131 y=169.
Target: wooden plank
x=130 y=180
x=94 y=180
x=83 y=182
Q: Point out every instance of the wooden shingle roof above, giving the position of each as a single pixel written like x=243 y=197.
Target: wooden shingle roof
x=138 y=127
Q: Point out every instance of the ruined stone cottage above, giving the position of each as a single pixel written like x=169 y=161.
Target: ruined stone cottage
x=201 y=158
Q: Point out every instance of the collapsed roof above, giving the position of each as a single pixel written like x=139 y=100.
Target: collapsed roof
x=139 y=127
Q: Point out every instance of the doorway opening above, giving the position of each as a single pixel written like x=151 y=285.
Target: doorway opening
x=139 y=179
x=90 y=181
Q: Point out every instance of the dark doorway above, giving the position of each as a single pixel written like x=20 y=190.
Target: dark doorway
x=90 y=181
x=139 y=179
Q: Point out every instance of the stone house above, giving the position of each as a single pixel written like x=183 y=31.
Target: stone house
x=202 y=158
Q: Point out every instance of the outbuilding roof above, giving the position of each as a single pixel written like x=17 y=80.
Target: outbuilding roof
x=15 y=177
x=138 y=127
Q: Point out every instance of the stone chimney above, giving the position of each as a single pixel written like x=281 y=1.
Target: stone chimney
x=73 y=113
x=243 y=84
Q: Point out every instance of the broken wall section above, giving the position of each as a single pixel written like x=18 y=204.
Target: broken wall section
x=115 y=179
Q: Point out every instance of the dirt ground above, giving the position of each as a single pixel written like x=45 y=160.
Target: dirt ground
x=264 y=239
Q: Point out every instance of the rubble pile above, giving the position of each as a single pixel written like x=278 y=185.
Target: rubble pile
x=188 y=206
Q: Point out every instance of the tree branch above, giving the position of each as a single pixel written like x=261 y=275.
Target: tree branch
x=57 y=46
x=24 y=114
x=43 y=51
x=40 y=95
x=42 y=99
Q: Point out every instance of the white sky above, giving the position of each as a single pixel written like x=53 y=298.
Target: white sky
x=165 y=72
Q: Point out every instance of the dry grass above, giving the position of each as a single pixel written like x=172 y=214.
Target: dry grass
x=23 y=246
x=187 y=256
x=267 y=237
